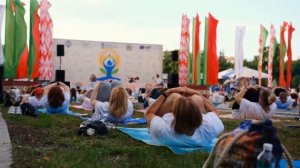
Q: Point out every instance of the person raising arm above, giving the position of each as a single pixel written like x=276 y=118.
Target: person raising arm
x=263 y=108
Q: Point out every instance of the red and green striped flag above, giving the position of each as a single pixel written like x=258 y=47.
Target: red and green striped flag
x=34 y=41
x=9 y=70
x=184 y=51
x=272 y=49
x=212 y=58
x=204 y=59
x=282 y=52
x=196 y=51
x=289 y=55
x=46 y=67
x=262 y=42
x=191 y=57
x=20 y=39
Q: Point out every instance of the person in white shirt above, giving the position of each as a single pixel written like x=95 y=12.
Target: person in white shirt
x=233 y=82
x=57 y=98
x=37 y=100
x=158 y=80
x=284 y=101
x=177 y=118
x=118 y=109
x=86 y=101
x=93 y=82
x=261 y=110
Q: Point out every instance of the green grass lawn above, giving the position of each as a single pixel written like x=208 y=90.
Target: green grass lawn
x=52 y=141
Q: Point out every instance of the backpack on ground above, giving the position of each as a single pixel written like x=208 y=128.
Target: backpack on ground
x=28 y=109
x=90 y=128
x=240 y=147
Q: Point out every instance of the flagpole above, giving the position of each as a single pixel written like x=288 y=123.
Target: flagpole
x=1 y=53
x=59 y=63
x=1 y=83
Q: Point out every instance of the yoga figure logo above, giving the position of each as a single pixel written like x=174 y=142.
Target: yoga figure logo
x=109 y=64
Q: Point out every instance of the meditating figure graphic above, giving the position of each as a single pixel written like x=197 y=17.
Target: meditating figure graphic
x=109 y=69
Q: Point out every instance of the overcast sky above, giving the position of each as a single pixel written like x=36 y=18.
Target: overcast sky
x=159 y=21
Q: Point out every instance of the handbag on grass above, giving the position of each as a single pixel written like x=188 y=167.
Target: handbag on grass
x=28 y=109
x=240 y=147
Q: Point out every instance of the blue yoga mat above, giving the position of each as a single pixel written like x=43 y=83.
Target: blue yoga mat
x=127 y=121
x=142 y=134
x=71 y=113
x=283 y=163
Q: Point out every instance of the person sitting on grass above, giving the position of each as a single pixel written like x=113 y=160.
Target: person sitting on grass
x=104 y=90
x=283 y=101
x=254 y=102
x=57 y=98
x=37 y=100
x=86 y=99
x=183 y=117
x=117 y=109
x=75 y=96
x=152 y=95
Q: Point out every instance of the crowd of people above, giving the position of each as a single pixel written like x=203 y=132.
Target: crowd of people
x=284 y=98
x=177 y=116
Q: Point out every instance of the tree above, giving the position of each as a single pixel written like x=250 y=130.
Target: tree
x=169 y=66
x=296 y=68
x=251 y=64
x=295 y=81
x=275 y=71
x=223 y=63
x=295 y=74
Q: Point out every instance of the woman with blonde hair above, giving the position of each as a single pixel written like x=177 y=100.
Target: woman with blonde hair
x=117 y=109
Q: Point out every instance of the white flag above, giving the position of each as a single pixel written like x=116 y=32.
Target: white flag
x=239 y=51
x=2 y=8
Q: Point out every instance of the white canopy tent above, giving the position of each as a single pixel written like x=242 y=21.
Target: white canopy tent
x=247 y=72
x=225 y=72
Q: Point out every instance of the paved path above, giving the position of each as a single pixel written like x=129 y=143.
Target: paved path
x=5 y=144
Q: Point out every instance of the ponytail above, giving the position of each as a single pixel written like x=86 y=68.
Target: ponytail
x=271 y=99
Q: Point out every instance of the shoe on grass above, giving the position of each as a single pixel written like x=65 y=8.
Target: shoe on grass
x=11 y=110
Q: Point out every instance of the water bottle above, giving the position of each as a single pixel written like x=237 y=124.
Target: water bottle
x=266 y=159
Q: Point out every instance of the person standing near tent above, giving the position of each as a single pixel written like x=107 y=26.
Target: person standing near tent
x=227 y=86
x=233 y=82
x=233 y=87
x=158 y=80
x=252 y=81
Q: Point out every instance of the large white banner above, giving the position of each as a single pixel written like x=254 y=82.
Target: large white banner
x=2 y=8
x=239 y=50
